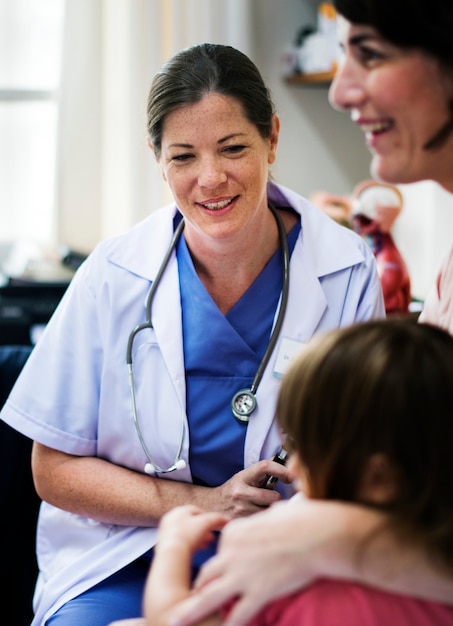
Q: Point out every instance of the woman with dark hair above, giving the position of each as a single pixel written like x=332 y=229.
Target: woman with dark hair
x=360 y=442
x=155 y=383
x=397 y=83
x=396 y=80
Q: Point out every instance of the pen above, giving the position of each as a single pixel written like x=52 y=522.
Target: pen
x=281 y=458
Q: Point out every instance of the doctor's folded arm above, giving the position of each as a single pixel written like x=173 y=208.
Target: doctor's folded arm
x=155 y=382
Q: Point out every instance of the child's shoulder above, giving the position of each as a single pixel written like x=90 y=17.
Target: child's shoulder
x=335 y=603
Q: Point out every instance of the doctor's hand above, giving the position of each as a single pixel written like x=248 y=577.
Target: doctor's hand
x=243 y=494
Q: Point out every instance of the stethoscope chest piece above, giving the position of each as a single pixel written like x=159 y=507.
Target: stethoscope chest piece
x=243 y=404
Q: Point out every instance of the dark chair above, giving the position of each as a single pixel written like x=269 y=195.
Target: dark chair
x=20 y=504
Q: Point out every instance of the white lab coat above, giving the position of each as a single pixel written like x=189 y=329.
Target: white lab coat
x=73 y=394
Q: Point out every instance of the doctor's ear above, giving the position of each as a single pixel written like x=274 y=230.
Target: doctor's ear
x=150 y=145
x=273 y=139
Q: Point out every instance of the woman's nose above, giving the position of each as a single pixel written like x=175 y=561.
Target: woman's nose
x=211 y=174
x=347 y=89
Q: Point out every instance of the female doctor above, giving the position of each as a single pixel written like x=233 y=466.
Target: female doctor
x=155 y=383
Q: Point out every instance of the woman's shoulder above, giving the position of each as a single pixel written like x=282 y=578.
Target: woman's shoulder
x=445 y=274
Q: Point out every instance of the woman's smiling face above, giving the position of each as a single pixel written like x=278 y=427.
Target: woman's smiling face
x=216 y=164
x=399 y=97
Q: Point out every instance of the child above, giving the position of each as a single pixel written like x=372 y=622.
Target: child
x=368 y=416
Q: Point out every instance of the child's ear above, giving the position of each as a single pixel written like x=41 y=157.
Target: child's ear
x=379 y=484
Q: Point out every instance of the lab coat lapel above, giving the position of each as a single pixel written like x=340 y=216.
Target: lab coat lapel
x=166 y=316
x=166 y=307
x=306 y=305
x=167 y=323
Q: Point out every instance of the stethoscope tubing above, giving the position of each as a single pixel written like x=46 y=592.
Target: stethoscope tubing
x=149 y=300
x=130 y=342
x=283 y=303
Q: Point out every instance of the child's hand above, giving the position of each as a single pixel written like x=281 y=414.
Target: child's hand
x=189 y=528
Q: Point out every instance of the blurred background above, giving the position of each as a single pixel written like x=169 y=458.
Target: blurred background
x=74 y=75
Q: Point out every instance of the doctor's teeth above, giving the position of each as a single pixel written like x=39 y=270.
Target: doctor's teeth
x=217 y=205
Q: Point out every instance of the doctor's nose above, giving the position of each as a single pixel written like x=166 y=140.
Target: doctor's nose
x=211 y=174
x=347 y=90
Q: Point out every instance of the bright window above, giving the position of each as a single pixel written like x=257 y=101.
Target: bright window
x=31 y=34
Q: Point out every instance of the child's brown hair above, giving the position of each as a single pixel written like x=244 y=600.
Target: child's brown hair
x=381 y=387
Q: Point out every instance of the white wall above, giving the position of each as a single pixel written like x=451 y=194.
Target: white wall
x=108 y=178
x=424 y=232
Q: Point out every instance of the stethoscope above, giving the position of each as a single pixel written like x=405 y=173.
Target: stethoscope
x=244 y=401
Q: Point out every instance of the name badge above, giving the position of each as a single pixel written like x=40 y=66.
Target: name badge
x=288 y=350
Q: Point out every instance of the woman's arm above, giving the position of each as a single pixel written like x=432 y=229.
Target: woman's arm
x=181 y=532
x=288 y=546
x=112 y=494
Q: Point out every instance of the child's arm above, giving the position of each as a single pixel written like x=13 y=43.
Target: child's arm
x=182 y=531
x=279 y=551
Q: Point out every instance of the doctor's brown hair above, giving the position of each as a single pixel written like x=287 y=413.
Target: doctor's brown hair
x=380 y=387
x=195 y=72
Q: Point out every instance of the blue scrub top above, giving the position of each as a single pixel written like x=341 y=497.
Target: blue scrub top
x=222 y=354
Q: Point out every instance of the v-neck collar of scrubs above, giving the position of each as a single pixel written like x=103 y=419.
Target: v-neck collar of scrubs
x=221 y=356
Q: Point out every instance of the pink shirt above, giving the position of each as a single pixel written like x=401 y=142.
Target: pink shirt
x=438 y=308
x=335 y=603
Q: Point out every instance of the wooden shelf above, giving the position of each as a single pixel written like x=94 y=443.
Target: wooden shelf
x=319 y=79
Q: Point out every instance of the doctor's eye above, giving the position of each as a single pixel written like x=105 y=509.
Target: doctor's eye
x=234 y=150
x=181 y=158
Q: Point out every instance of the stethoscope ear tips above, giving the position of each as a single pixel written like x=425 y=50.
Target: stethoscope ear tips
x=152 y=470
x=149 y=469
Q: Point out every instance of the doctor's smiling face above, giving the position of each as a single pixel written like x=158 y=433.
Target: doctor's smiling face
x=400 y=97
x=214 y=132
x=216 y=164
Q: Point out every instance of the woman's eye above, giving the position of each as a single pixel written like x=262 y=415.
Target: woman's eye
x=368 y=55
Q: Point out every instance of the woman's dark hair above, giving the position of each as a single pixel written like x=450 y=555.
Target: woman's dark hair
x=208 y=68
x=406 y=23
x=381 y=387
